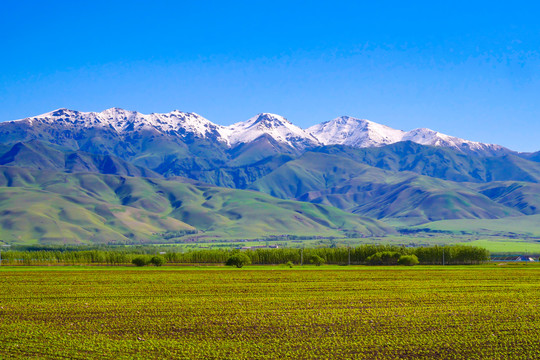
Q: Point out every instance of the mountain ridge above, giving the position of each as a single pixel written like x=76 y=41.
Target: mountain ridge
x=362 y=133
x=344 y=130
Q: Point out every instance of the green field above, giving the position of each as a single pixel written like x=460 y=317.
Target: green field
x=520 y=225
x=508 y=246
x=455 y=312
x=494 y=244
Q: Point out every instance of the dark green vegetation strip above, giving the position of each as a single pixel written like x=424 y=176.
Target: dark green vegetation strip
x=433 y=312
x=434 y=255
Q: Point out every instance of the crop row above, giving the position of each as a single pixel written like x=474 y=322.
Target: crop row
x=126 y=313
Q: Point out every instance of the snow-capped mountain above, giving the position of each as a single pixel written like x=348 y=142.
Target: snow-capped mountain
x=430 y=137
x=62 y=126
x=362 y=133
x=176 y=123
x=276 y=126
x=354 y=132
x=124 y=121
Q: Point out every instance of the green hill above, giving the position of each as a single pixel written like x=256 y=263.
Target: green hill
x=51 y=207
x=442 y=163
x=399 y=197
x=522 y=196
x=401 y=184
x=41 y=156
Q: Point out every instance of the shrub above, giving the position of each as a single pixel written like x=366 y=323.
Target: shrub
x=238 y=260
x=140 y=261
x=157 y=260
x=408 y=260
x=374 y=259
x=384 y=258
x=289 y=264
x=316 y=260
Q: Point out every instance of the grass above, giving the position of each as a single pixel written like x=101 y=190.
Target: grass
x=520 y=225
x=308 y=267
x=494 y=246
x=57 y=208
x=402 y=198
x=271 y=312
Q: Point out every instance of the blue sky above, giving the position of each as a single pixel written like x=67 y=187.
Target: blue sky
x=469 y=69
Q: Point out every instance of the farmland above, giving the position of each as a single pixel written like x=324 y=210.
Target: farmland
x=463 y=312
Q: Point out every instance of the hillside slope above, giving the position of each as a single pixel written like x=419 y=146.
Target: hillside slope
x=402 y=197
x=52 y=207
x=441 y=163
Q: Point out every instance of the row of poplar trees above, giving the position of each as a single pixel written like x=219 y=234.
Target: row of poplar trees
x=433 y=255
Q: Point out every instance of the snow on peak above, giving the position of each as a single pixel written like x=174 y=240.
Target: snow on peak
x=123 y=121
x=180 y=123
x=276 y=126
x=430 y=137
x=354 y=132
x=269 y=119
x=346 y=130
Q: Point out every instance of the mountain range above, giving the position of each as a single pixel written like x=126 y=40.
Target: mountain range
x=352 y=176
x=343 y=130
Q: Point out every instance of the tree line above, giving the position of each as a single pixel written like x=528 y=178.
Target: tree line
x=360 y=255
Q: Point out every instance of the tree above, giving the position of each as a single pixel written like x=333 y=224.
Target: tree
x=384 y=258
x=408 y=260
x=316 y=260
x=140 y=261
x=157 y=260
x=238 y=260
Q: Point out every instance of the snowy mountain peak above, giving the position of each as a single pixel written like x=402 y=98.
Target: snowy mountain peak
x=269 y=119
x=430 y=137
x=60 y=112
x=276 y=126
x=178 y=123
x=346 y=130
x=354 y=132
x=125 y=121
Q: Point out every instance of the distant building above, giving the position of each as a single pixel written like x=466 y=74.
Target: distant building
x=259 y=247
x=514 y=258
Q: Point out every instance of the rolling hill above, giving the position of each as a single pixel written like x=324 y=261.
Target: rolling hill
x=397 y=197
x=55 y=208
x=439 y=162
